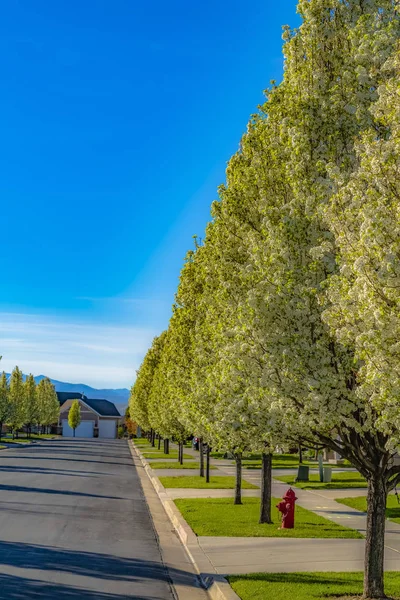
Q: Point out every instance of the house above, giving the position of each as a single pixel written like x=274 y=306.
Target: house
x=99 y=418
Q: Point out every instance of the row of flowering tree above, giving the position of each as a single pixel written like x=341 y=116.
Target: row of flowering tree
x=25 y=404
x=286 y=324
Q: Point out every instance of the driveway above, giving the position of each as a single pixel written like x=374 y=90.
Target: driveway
x=74 y=525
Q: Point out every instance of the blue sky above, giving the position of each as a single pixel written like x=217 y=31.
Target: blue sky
x=118 y=119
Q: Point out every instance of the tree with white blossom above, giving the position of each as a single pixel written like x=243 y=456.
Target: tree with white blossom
x=285 y=171
x=364 y=299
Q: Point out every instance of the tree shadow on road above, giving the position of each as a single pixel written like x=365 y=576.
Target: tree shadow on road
x=69 y=460
x=88 y=564
x=21 y=588
x=48 y=471
x=20 y=488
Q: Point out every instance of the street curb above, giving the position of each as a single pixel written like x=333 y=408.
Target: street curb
x=216 y=585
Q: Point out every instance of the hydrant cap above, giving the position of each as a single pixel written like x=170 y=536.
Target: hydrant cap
x=290 y=495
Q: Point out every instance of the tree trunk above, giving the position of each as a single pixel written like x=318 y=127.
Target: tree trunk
x=208 y=464
x=201 y=457
x=300 y=455
x=159 y=441
x=375 y=538
x=266 y=488
x=74 y=432
x=166 y=446
x=238 y=483
x=181 y=453
x=153 y=441
x=1 y=429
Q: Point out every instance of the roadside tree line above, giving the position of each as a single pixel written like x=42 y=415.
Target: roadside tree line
x=286 y=323
x=27 y=404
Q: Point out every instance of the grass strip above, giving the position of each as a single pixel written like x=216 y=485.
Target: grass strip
x=16 y=441
x=287 y=461
x=160 y=455
x=175 y=465
x=220 y=517
x=279 y=461
x=360 y=503
x=199 y=483
x=339 y=481
x=45 y=436
x=307 y=586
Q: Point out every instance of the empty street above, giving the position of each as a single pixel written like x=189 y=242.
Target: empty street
x=74 y=524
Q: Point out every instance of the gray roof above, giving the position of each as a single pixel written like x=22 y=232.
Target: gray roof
x=105 y=408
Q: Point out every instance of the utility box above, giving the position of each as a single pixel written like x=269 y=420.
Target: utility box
x=303 y=474
x=327 y=474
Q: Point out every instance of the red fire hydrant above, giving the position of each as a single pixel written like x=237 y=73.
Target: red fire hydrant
x=286 y=507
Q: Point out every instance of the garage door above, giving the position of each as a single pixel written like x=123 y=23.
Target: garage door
x=84 y=430
x=107 y=428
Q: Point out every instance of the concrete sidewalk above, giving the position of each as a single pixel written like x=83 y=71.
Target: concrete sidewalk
x=234 y=556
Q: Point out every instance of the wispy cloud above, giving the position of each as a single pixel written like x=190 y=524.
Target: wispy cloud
x=94 y=353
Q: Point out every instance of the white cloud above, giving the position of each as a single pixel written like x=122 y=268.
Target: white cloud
x=98 y=354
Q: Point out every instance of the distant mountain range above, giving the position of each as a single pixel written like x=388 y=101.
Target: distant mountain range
x=118 y=396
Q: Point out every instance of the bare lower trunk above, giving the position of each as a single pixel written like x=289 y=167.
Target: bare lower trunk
x=201 y=457
x=74 y=432
x=208 y=464
x=153 y=435
x=266 y=489
x=181 y=453
x=238 y=483
x=375 y=538
x=159 y=442
x=300 y=454
x=166 y=446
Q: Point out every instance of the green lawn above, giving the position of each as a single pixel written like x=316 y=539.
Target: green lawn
x=218 y=455
x=307 y=586
x=287 y=461
x=220 y=517
x=339 y=481
x=160 y=455
x=22 y=439
x=197 y=482
x=143 y=442
x=175 y=465
x=44 y=436
x=7 y=440
x=360 y=503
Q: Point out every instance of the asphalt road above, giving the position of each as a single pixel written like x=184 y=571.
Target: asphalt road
x=74 y=525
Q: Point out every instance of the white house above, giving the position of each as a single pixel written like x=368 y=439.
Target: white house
x=99 y=418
